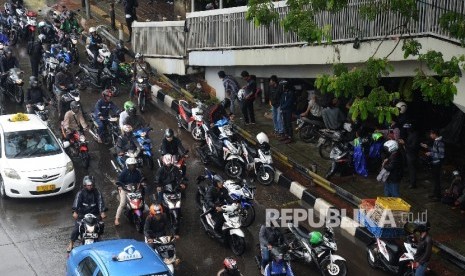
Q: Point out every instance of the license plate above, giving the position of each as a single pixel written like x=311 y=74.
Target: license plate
x=91 y=235
x=46 y=188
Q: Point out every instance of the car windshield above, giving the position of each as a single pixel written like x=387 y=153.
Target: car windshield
x=30 y=143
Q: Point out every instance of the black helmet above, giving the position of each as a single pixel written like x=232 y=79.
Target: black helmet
x=74 y=106
x=226 y=103
x=88 y=180
x=169 y=133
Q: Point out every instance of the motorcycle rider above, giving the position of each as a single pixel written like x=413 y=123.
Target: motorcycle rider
x=9 y=61
x=129 y=175
x=424 y=249
x=35 y=94
x=278 y=266
x=118 y=56
x=73 y=120
x=94 y=42
x=156 y=224
x=167 y=174
x=87 y=200
x=47 y=30
x=269 y=238
x=140 y=69
x=173 y=146
x=126 y=142
x=129 y=116
x=215 y=197
x=102 y=111
x=218 y=112
x=36 y=54
x=71 y=23
x=63 y=81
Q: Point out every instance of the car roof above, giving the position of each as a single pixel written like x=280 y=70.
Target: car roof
x=106 y=251
x=8 y=124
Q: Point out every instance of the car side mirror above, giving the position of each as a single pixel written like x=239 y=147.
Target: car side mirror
x=66 y=144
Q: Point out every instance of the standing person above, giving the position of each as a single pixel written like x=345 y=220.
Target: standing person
x=424 y=249
x=286 y=106
x=248 y=98
x=130 y=14
x=275 y=99
x=231 y=87
x=392 y=164
x=436 y=153
x=412 y=146
x=36 y=54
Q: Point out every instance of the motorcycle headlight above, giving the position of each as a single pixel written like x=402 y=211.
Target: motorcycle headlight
x=140 y=80
x=11 y=173
x=69 y=167
x=82 y=138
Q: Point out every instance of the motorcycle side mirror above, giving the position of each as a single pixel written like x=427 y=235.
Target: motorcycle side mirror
x=66 y=144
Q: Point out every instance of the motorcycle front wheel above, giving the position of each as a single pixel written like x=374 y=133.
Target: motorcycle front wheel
x=237 y=245
x=197 y=133
x=233 y=168
x=265 y=176
x=325 y=150
x=337 y=268
x=308 y=134
x=247 y=215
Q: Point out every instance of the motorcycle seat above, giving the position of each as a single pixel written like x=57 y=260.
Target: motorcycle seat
x=393 y=247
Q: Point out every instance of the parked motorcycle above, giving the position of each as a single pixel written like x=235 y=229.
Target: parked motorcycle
x=77 y=147
x=142 y=92
x=135 y=205
x=110 y=133
x=232 y=233
x=102 y=58
x=70 y=42
x=11 y=31
x=89 y=76
x=165 y=247
x=142 y=137
x=30 y=25
x=308 y=129
x=14 y=85
x=321 y=255
x=172 y=205
x=341 y=160
x=217 y=149
x=330 y=138
x=191 y=119
x=90 y=229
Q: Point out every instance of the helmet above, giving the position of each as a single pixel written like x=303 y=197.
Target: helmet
x=156 y=209
x=455 y=173
x=277 y=255
x=41 y=24
x=241 y=94
x=167 y=159
x=230 y=264
x=138 y=55
x=127 y=128
x=402 y=107
x=74 y=106
x=376 y=136
x=169 y=133
x=92 y=30
x=88 y=180
x=315 y=237
x=391 y=146
x=284 y=84
x=262 y=138
x=127 y=105
x=217 y=179
x=226 y=103
x=107 y=93
x=422 y=227
x=131 y=161
x=41 y=37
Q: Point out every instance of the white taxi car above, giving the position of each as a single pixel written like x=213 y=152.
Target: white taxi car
x=32 y=160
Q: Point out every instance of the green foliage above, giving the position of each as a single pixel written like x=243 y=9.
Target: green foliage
x=454 y=23
x=262 y=12
x=411 y=47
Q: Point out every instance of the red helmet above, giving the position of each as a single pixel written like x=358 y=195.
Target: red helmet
x=230 y=264
x=107 y=93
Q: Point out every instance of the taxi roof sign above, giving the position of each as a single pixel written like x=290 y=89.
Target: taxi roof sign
x=19 y=117
x=128 y=253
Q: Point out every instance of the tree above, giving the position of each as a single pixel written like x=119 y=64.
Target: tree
x=363 y=83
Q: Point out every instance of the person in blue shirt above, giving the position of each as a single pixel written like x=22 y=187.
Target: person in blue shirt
x=278 y=267
x=103 y=107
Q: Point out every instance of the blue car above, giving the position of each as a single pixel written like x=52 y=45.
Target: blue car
x=116 y=257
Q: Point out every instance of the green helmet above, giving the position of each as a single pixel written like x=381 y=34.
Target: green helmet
x=315 y=237
x=376 y=136
x=128 y=105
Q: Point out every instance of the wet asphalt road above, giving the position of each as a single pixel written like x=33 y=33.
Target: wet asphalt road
x=40 y=228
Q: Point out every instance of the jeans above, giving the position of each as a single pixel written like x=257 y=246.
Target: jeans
x=287 y=122
x=265 y=255
x=233 y=98
x=436 y=171
x=122 y=202
x=277 y=120
x=421 y=269
x=248 y=112
x=391 y=189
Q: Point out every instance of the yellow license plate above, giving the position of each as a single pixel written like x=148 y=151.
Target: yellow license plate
x=46 y=188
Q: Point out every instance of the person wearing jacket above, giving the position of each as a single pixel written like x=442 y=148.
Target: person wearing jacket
x=412 y=146
x=249 y=97
x=392 y=164
x=130 y=14
x=126 y=142
x=73 y=120
x=216 y=196
x=9 y=61
x=102 y=110
x=269 y=238
x=286 y=105
x=167 y=174
x=424 y=249
x=95 y=41
x=156 y=224
x=35 y=94
x=173 y=146
x=231 y=87
x=278 y=266
x=87 y=200
x=436 y=154
x=218 y=112
x=37 y=51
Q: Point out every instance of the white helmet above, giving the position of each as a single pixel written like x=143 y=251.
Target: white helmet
x=402 y=107
x=241 y=94
x=262 y=138
x=167 y=159
x=92 y=30
x=41 y=37
x=137 y=56
x=131 y=161
x=391 y=146
x=127 y=128
x=41 y=24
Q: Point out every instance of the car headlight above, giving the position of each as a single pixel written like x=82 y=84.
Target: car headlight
x=11 y=173
x=69 y=167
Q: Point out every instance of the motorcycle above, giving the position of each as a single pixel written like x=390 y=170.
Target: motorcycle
x=191 y=119
x=70 y=42
x=165 y=247
x=90 y=77
x=102 y=58
x=321 y=255
x=14 y=85
x=331 y=138
x=40 y=110
x=341 y=160
x=387 y=256
x=135 y=205
x=232 y=233
x=90 y=229
x=77 y=147
x=218 y=149
x=308 y=129
x=110 y=133
x=124 y=73
x=172 y=204
x=30 y=25
x=244 y=195
x=50 y=69
x=118 y=165
x=145 y=142
x=11 y=30
x=63 y=98
x=142 y=92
